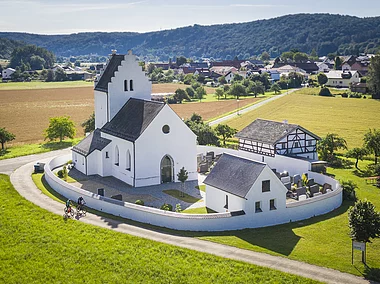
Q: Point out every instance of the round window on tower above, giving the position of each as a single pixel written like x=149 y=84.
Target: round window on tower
x=166 y=129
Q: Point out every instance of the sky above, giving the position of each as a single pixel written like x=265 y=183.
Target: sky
x=73 y=16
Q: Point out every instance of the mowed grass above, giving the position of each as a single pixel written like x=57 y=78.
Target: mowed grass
x=38 y=148
x=33 y=85
x=181 y=195
x=349 y=118
x=40 y=247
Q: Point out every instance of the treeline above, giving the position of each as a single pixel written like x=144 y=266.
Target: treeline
x=323 y=32
x=7 y=46
x=31 y=57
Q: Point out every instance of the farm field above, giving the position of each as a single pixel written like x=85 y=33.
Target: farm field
x=26 y=113
x=34 y=85
x=348 y=117
x=41 y=247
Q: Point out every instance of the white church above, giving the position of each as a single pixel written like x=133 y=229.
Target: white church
x=136 y=140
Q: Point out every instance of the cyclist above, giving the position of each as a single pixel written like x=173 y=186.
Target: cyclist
x=81 y=203
x=68 y=205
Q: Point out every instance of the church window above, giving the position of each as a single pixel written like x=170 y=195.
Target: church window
x=128 y=164
x=272 y=204
x=258 y=207
x=107 y=155
x=131 y=85
x=125 y=85
x=117 y=156
x=166 y=129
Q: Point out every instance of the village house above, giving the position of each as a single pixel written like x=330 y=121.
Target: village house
x=342 y=79
x=7 y=73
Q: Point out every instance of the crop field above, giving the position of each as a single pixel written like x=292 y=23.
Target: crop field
x=348 y=117
x=26 y=112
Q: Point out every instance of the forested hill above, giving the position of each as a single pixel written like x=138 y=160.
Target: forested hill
x=324 y=32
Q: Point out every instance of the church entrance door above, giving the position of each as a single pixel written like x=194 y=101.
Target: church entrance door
x=166 y=169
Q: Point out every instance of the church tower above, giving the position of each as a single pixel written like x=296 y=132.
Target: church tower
x=121 y=79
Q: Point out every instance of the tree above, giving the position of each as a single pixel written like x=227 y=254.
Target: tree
x=5 y=136
x=358 y=154
x=225 y=131
x=181 y=95
x=188 y=79
x=29 y=55
x=265 y=56
x=372 y=142
x=89 y=124
x=50 y=76
x=190 y=92
x=60 y=127
x=374 y=77
x=300 y=57
x=200 y=93
x=327 y=145
x=338 y=63
x=182 y=177
x=237 y=90
x=314 y=55
x=222 y=80
x=181 y=60
x=219 y=92
x=364 y=221
x=60 y=75
x=37 y=62
x=275 y=88
x=237 y=78
x=256 y=88
x=322 y=78
x=205 y=134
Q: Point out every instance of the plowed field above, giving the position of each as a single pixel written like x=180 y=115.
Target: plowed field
x=26 y=113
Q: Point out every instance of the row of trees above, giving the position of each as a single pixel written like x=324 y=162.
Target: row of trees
x=31 y=57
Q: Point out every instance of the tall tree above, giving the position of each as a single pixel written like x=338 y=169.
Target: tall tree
x=256 y=88
x=372 y=142
x=200 y=93
x=237 y=90
x=5 y=136
x=40 y=57
x=338 y=63
x=60 y=127
x=358 y=154
x=190 y=92
x=330 y=143
x=265 y=56
x=219 y=92
x=300 y=57
x=374 y=77
x=89 y=124
x=181 y=95
x=275 y=88
x=181 y=60
x=225 y=131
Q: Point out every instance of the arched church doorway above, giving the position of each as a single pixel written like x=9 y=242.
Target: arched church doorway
x=167 y=169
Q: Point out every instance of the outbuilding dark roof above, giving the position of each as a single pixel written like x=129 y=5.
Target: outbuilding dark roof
x=234 y=174
x=132 y=119
x=92 y=142
x=109 y=72
x=269 y=132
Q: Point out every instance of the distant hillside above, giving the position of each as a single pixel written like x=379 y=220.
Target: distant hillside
x=7 y=46
x=324 y=32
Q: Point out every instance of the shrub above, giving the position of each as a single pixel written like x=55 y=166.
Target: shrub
x=60 y=173
x=178 y=208
x=336 y=163
x=364 y=97
x=325 y=92
x=166 y=207
x=64 y=172
x=355 y=95
x=69 y=162
x=349 y=190
x=344 y=95
x=139 y=202
x=171 y=100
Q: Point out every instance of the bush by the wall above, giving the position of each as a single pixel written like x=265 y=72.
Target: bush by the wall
x=60 y=173
x=349 y=190
x=139 y=202
x=167 y=207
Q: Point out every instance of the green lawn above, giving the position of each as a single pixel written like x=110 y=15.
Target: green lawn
x=349 y=118
x=40 y=247
x=177 y=194
x=29 y=149
x=44 y=85
x=200 y=210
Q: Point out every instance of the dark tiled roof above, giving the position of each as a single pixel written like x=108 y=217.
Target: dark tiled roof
x=269 y=132
x=132 y=119
x=109 y=72
x=91 y=143
x=234 y=174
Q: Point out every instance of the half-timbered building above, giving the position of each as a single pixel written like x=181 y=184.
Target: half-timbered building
x=270 y=138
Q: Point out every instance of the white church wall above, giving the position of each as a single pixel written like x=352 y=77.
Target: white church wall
x=94 y=163
x=120 y=171
x=194 y=222
x=153 y=145
x=79 y=161
x=100 y=109
x=118 y=95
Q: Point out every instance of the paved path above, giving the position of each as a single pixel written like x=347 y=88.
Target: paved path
x=247 y=109
x=21 y=179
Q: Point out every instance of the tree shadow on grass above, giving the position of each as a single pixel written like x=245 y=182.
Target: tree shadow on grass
x=4 y=152
x=362 y=173
x=57 y=145
x=372 y=273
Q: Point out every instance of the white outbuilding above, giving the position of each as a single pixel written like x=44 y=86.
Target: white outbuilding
x=138 y=141
x=7 y=73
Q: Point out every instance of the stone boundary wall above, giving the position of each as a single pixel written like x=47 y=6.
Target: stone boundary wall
x=197 y=222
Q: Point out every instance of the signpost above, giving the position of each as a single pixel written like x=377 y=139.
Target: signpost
x=359 y=246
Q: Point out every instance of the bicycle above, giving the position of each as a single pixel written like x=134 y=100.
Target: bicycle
x=68 y=212
x=81 y=210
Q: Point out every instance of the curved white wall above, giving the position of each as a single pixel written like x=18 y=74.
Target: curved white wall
x=196 y=222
